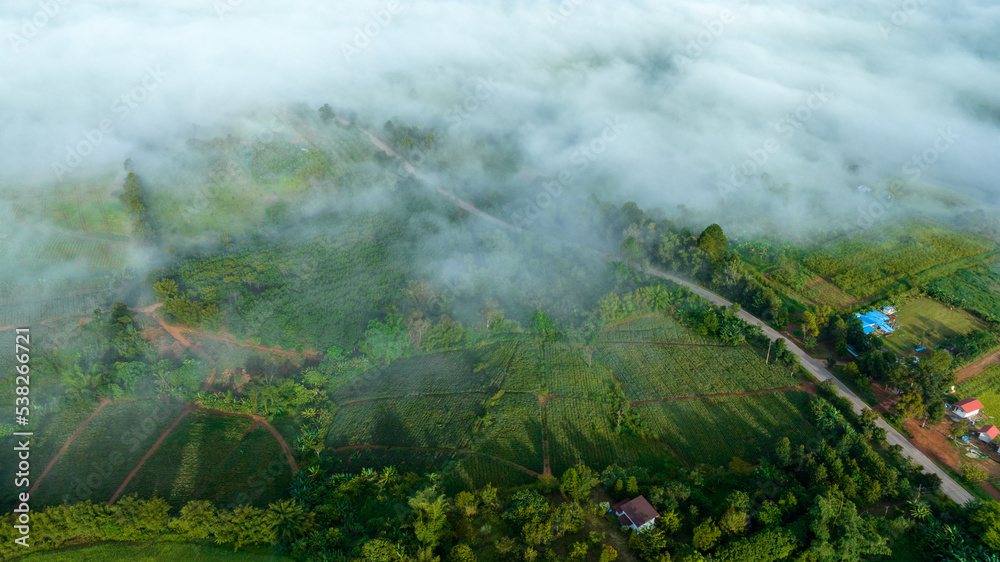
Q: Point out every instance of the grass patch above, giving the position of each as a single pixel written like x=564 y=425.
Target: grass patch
x=926 y=322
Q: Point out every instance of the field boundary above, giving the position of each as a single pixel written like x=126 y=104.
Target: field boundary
x=149 y=453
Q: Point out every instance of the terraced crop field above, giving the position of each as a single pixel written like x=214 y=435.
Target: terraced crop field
x=189 y=454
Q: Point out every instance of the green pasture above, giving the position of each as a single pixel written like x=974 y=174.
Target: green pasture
x=926 y=322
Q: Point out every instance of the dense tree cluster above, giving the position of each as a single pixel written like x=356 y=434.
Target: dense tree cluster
x=134 y=200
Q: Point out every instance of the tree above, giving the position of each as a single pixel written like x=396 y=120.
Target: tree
x=462 y=553
x=431 y=516
x=632 y=488
x=578 y=550
x=985 y=519
x=975 y=474
x=783 y=452
x=712 y=241
x=809 y=325
x=733 y=521
x=326 y=113
x=290 y=520
x=738 y=500
x=198 y=519
x=608 y=554
x=910 y=405
x=542 y=324
x=766 y=546
x=705 y=535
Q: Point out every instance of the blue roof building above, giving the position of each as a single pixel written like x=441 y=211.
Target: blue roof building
x=874 y=321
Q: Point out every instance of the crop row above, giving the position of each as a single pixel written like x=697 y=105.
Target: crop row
x=512 y=430
x=650 y=372
x=428 y=421
x=424 y=374
x=584 y=431
x=658 y=328
x=713 y=430
x=475 y=471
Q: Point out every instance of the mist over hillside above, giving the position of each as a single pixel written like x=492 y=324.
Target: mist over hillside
x=762 y=116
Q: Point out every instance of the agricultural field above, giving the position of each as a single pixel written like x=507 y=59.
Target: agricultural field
x=986 y=389
x=652 y=328
x=650 y=372
x=473 y=471
x=426 y=421
x=425 y=374
x=88 y=253
x=926 y=322
x=84 y=204
x=193 y=449
x=238 y=184
x=809 y=289
x=868 y=262
x=713 y=430
x=567 y=372
x=583 y=431
x=256 y=472
x=153 y=552
x=976 y=289
x=512 y=430
x=103 y=454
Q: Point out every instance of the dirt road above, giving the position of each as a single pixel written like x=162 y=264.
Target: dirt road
x=974 y=369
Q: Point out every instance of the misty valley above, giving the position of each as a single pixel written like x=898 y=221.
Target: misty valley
x=443 y=281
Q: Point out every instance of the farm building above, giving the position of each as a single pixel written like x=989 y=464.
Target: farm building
x=854 y=352
x=637 y=513
x=989 y=433
x=875 y=321
x=889 y=310
x=967 y=408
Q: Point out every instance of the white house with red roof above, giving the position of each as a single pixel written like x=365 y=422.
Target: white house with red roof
x=989 y=433
x=967 y=408
x=636 y=513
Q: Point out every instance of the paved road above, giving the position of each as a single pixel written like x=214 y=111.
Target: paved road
x=893 y=437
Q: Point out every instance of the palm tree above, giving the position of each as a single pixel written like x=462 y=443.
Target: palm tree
x=290 y=520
